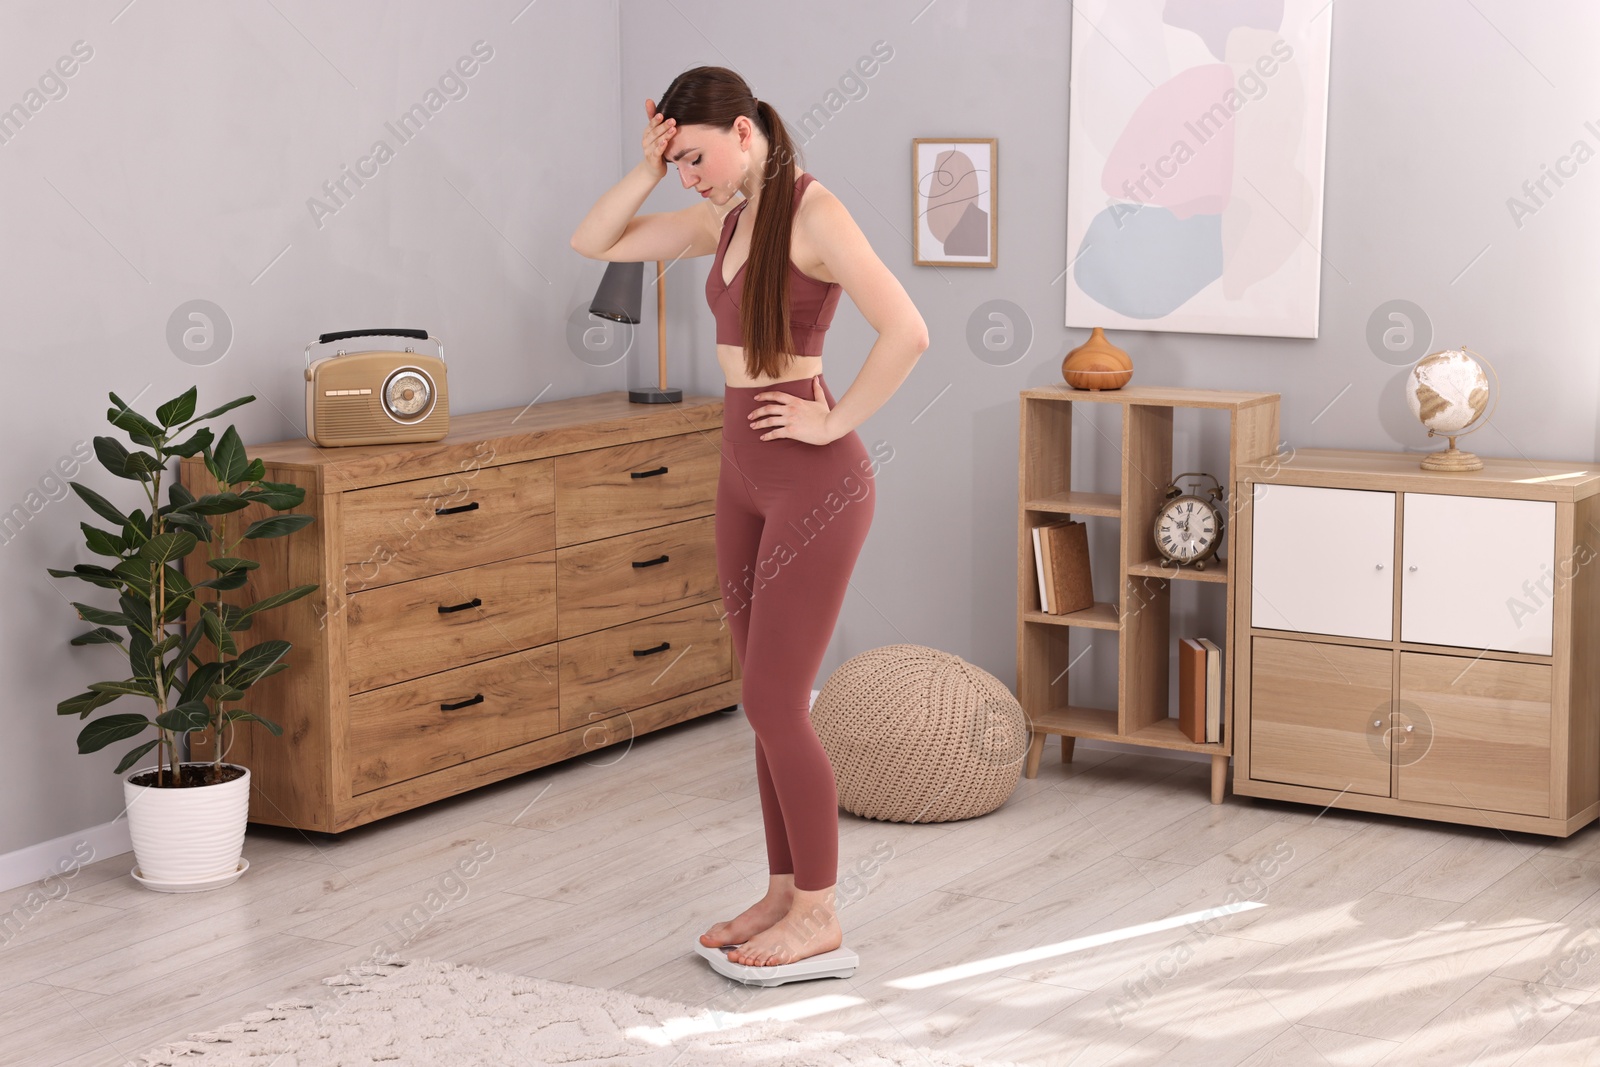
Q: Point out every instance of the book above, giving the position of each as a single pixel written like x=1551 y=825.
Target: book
x=1038 y=563
x=1213 y=691
x=1067 y=567
x=1192 y=689
x=1049 y=570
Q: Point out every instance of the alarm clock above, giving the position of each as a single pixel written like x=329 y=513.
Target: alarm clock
x=376 y=398
x=1188 y=526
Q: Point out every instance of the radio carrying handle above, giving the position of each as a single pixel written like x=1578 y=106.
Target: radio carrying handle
x=342 y=335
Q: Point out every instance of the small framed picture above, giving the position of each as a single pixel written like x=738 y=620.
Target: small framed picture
x=955 y=216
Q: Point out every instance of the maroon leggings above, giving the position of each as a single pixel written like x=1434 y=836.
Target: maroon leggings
x=791 y=518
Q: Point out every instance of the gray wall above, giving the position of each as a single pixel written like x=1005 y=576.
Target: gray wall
x=179 y=163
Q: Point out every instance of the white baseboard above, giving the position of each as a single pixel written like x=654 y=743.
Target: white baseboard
x=36 y=862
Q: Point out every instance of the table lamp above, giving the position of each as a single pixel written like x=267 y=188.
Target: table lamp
x=618 y=299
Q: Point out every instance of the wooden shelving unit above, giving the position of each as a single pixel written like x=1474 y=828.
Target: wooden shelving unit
x=1140 y=617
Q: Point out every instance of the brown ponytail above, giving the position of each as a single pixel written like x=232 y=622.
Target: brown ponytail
x=716 y=96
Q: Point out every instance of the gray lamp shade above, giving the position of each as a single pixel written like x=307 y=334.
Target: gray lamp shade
x=620 y=293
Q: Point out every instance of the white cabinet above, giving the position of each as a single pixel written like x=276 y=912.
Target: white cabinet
x=1322 y=561
x=1477 y=572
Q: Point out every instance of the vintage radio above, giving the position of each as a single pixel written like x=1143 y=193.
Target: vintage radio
x=373 y=398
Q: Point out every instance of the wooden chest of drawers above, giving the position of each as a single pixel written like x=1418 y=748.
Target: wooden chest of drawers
x=538 y=584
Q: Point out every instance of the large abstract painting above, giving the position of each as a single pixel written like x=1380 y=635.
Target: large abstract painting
x=1197 y=135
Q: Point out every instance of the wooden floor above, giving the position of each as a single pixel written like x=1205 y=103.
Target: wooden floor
x=1064 y=928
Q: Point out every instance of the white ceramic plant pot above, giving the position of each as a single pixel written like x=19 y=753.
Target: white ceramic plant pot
x=187 y=839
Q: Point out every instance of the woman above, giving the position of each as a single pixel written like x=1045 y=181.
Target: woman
x=794 y=499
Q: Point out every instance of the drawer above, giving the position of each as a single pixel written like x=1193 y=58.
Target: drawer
x=441 y=720
x=1485 y=733
x=393 y=533
x=639 y=663
x=609 y=491
x=409 y=629
x=619 y=579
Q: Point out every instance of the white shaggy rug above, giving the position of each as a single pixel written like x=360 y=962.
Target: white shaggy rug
x=420 y=1012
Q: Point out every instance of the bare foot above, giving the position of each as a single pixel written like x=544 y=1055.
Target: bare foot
x=750 y=922
x=802 y=932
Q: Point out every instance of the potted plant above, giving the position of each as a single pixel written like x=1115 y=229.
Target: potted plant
x=187 y=819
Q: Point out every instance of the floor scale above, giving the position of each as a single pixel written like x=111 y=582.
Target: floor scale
x=840 y=963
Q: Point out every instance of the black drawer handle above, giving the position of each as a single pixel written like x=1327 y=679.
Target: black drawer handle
x=452 y=707
x=652 y=562
x=649 y=474
x=662 y=647
x=451 y=511
x=473 y=603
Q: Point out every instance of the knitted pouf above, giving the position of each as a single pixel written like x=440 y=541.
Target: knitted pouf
x=920 y=735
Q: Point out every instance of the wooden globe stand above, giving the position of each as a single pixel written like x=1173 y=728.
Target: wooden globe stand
x=1453 y=459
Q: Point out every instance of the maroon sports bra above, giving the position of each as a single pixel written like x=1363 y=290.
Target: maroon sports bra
x=811 y=302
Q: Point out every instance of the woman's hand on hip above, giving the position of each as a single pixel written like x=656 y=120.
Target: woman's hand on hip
x=787 y=415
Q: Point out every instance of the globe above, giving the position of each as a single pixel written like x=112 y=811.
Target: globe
x=1449 y=391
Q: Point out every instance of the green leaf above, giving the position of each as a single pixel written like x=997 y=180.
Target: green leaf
x=131 y=687
x=200 y=681
x=217 y=631
x=280 y=496
x=225 y=582
x=190 y=639
x=231 y=462
x=195 y=525
x=102 y=542
x=193 y=715
x=250 y=716
x=100 y=635
x=166 y=547
x=82 y=704
x=244 y=671
x=278 y=525
x=141 y=465
x=177 y=582
x=229 y=406
x=137 y=427
x=134 y=755
x=177 y=607
x=228 y=564
x=90 y=613
x=178 y=409
x=137 y=611
x=139 y=659
x=99 y=504
x=270 y=671
x=217 y=504
x=102 y=732
x=113 y=456
x=92 y=573
x=138 y=530
x=135 y=572
x=199 y=441
x=279 y=598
